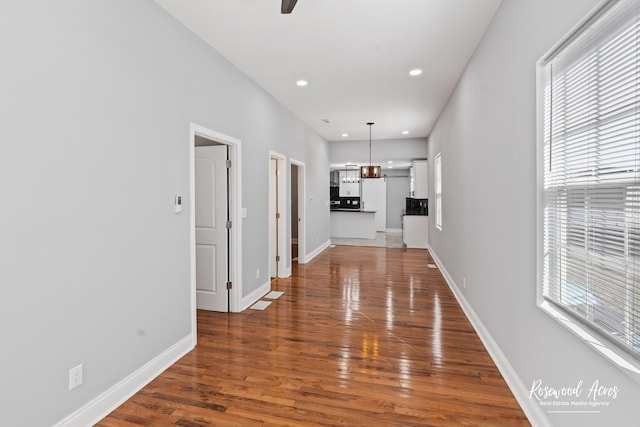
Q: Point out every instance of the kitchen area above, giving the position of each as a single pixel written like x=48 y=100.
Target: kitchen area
x=415 y=225
x=368 y=210
x=349 y=217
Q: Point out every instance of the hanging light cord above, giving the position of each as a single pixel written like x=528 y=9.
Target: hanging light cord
x=370 y=124
x=369 y=144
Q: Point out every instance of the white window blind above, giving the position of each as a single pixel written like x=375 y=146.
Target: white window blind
x=438 y=190
x=592 y=176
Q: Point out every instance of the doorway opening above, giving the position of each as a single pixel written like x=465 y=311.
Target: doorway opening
x=277 y=216
x=298 y=213
x=215 y=195
x=295 y=218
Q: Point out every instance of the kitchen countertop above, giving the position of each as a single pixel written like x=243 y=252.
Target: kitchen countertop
x=351 y=210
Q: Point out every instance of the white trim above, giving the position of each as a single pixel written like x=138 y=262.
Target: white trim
x=619 y=358
x=302 y=211
x=254 y=296
x=192 y=232
x=115 y=396
x=596 y=12
x=235 y=213
x=283 y=249
x=394 y=230
x=532 y=410
x=316 y=252
x=437 y=172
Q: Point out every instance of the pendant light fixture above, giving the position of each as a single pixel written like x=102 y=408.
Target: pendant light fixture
x=370 y=171
x=347 y=178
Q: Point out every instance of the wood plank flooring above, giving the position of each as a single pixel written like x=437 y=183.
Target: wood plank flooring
x=361 y=337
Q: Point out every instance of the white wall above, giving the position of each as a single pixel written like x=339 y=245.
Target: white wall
x=487 y=136
x=404 y=149
x=97 y=97
x=398 y=189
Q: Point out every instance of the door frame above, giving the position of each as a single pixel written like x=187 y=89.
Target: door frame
x=235 y=216
x=302 y=213
x=283 y=235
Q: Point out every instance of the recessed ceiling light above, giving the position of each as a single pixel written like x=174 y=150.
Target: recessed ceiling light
x=405 y=132
x=344 y=135
x=415 y=72
x=390 y=161
x=390 y=167
x=302 y=82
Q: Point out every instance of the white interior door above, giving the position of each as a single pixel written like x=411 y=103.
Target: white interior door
x=374 y=197
x=211 y=228
x=278 y=249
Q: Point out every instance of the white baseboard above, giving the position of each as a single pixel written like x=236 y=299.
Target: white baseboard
x=394 y=230
x=317 y=252
x=532 y=410
x=254 y=296
x=115 y=396
x=285 y=274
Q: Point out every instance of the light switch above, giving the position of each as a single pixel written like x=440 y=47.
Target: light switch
x=177 y=204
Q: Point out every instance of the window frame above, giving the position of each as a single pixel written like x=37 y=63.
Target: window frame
x=588 y=333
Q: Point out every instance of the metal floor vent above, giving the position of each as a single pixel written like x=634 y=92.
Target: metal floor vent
x=260 y=305
x=274 y=295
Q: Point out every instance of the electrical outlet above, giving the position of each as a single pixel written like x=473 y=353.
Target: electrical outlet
x=75 y=376
x=464 y=282
x=257 y=273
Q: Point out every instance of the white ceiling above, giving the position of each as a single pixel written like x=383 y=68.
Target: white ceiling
x=355 y=54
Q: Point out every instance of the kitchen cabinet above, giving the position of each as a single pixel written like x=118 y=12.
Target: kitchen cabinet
x=419 y=174
x=334 y=178
x=415 y=231
x=353 y=224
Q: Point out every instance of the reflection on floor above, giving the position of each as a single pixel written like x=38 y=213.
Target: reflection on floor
x=360 y=337
x=388 y=239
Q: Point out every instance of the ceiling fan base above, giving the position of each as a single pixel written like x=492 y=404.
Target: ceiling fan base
x=287 y=6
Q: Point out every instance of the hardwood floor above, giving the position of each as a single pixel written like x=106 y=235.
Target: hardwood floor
x=361 y=337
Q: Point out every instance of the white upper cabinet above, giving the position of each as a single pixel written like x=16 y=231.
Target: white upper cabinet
x=420 y=179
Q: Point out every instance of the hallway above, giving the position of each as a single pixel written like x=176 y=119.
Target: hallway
x=362 y=336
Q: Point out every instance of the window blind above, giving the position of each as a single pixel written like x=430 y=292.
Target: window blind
x=591 y=189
